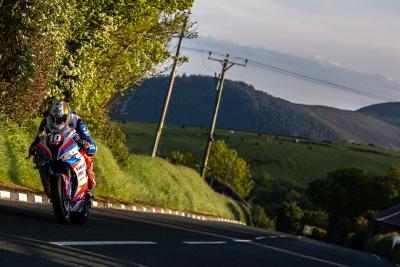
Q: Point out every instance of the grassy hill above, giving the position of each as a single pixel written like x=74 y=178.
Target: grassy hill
x=244 y=108
x=287 y=158
x=389 y=112
x=148 y=180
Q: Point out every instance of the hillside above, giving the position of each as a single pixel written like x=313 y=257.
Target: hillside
x=244 y=108
x=389 y=112
x=295 y=159
x=145 y=180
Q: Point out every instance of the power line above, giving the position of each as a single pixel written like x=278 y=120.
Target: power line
x=300 y=76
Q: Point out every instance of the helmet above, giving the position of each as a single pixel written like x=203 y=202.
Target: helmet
x=59 y=114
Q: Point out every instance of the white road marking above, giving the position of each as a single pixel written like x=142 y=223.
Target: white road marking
x=242 y=240
x=38 y=199
x=101 y=243
x=5 y=194
x=22 y=197
x=260 y=237
x=376 y=256
x=204 y=242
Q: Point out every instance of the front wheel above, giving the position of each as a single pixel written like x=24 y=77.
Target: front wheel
x=80 y=217
x=59 y=199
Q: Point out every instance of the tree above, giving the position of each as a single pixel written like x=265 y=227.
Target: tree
x=226 y=165
x=290 y=218
x=260 y=218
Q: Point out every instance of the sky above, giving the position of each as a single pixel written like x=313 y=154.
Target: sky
x=360 y=35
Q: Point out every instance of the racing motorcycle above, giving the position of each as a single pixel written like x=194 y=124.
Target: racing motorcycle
x=58 y=153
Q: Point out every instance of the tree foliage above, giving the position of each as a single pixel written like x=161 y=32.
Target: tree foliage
x=85 y=51
x=290 y=218
x=226 y=165
x=260 y=218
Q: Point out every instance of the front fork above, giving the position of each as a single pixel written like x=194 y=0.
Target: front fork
x=67 y=184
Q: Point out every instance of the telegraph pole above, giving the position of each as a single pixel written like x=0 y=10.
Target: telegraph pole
x=169 y=91
x=226 y=65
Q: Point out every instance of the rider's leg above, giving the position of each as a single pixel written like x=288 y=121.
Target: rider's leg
x=45 y=180
x=89 y=170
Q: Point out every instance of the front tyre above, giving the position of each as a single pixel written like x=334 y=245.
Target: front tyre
x=80 y=217
x=59 y=199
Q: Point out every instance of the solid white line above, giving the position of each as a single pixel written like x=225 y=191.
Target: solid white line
x=22 y=197
x=5 y=194
x=204 y=242
x=102 y=243
x=242 y=240
x=260 y=237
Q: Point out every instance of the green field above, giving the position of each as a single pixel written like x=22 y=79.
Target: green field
x=295 y=159
x=145 y=180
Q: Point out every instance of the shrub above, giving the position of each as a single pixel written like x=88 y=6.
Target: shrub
x=226 y=165
x=290 y=218
x=260 y=218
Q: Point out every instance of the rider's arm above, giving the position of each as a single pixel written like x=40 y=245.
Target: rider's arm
x=41 y=131
x=84 y=134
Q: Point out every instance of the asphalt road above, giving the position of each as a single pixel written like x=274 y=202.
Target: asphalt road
x=30 y=236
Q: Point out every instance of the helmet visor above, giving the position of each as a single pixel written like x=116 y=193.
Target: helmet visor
x=59 y=120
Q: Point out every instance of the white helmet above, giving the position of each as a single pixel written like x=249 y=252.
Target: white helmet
x=59 y=114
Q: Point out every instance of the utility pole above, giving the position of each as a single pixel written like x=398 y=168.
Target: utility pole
x=169 y=91
x=226 y=65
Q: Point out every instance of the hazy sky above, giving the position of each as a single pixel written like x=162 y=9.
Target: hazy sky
x=362 y=35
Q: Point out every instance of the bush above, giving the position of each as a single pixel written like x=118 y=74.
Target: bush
x=226 y=165
x=316 y=218
x=318 y=233
x=187 y=159
x=290 y=218
x=260 y=218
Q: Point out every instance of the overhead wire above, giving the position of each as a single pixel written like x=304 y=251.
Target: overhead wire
x=297 y=75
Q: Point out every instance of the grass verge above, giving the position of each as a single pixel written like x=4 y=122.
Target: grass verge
x=150 y=180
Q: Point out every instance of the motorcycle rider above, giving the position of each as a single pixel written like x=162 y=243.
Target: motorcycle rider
x=60 y=116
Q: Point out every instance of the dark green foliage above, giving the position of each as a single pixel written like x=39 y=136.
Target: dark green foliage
x=350 y=192
x=186 y=159
x=260 y=218
x=290 y=218
x=318 y=218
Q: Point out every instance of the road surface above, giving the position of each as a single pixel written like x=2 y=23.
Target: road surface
x=30 y=236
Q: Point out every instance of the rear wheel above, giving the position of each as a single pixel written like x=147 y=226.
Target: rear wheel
x=59 y=199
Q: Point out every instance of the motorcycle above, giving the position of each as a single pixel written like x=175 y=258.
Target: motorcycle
x=58 y=153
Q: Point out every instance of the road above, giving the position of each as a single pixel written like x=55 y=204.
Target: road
x=29 y=236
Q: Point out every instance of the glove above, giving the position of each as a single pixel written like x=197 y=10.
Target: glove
x=32 y=150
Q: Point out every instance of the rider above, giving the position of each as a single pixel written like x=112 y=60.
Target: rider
x=60 y=116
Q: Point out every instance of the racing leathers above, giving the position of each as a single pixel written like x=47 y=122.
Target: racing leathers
x=84 y=140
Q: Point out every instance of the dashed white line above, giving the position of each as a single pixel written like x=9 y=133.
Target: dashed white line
x=376 y=256
x=241 y=240
x=204 y=242
x=102 y=243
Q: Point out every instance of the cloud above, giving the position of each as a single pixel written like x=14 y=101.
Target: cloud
x=360 y=34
